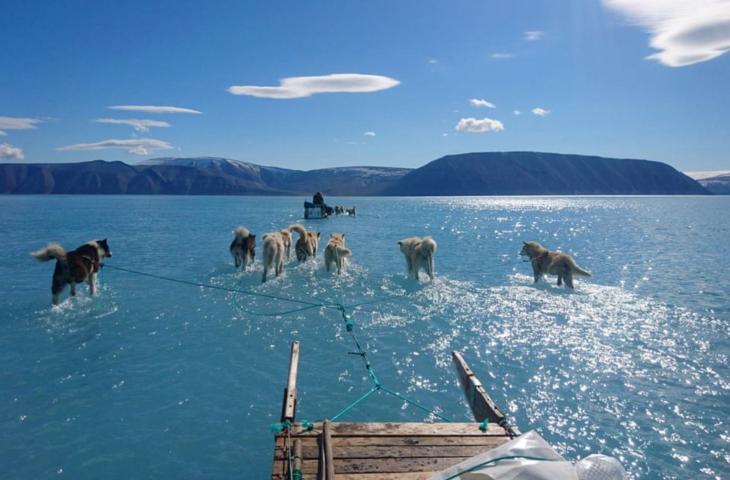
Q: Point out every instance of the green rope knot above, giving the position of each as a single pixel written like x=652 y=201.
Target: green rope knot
x=484 y=426
x=307 y=426
x=280 y=426
x=296 y=475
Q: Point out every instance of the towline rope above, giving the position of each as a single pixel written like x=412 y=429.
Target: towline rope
x=307 y=305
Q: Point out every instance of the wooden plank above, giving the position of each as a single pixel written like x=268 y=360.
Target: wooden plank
x=398 y=452
x=386 y=476
x=387 y=441
x=406 y=429
x=481 y=404
x=329 y=458
x=384 y=465
x=297 y=455
x=289 y=407
x=414 y=429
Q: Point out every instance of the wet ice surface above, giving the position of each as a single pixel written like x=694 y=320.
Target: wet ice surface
x=153 y=378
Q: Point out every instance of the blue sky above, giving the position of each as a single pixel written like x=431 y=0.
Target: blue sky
x=584 y=64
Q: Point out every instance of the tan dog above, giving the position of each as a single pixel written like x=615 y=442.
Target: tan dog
x=307 y=243
x=335 y=252
x=419 y=255
x=274 y=253
x=553 y=263
x=286 y=238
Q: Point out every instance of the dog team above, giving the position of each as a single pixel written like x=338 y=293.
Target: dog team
x=83 y=264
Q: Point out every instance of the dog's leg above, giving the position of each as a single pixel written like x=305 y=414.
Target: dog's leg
x=569 y=280
x=73 y=288
x=54 y=299
x=560 y=280
x=92 y=284
x=266 y=269
x=236 y=261
x=536 y=272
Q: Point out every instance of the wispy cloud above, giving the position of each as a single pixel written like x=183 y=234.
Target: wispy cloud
x=502 y=56
x=17 y=123
x=684 y=31
x=140 y=125
x=154 y=109
x=480 y=102
x=516 y=112
x=369 y=134
x=479 y=125
x=540 y=112
x=299 y=87
x=136 y=146
x=8 y=151
x=433 y=61
x=534 y=35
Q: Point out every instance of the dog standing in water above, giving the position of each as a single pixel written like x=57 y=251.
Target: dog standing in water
x=80 y=265
x=307 y=243
x=335 y=252
x=274 y=253
x=419 y=254
x=243 y=247
x=553 y=263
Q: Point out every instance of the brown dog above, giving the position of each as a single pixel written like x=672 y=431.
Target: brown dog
x=553 y=263
x=80 y=265
x=307 y=243
x=243 y=247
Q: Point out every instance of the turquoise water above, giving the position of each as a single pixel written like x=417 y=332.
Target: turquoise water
x=152 y=379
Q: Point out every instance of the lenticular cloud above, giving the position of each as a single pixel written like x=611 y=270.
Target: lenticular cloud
x=299 y=87
x=684 y=31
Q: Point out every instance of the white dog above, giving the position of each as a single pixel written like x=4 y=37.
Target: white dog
x=335 y=252
x=419 y=255
x=275 y=252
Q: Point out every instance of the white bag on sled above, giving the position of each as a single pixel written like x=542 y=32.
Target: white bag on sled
x=529 y=457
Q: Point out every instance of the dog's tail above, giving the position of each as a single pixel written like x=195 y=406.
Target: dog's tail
x=241 y=232
x=577 y=270
x=299 y=229
x=53 y=250
x=344 y=251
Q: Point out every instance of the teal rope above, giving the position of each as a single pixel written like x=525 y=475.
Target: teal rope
x=414 y=403
x=217 y=287
x=499 y=459
x=342 y=308
x=354 y=404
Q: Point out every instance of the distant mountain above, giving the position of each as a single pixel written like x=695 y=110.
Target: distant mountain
x=716 y=182
x=191 y=176
x=499 y=173
x=535 y=173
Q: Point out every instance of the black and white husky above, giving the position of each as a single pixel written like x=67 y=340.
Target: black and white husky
x=243 y=247
x=80 y=265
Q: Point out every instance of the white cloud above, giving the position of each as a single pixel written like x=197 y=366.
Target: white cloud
x=444 y=134
x=136 y=146
x=299 y=87
x=480 y=102
x=502 y=56
x=475 y=125
x=17 y=123
x=153 y=109
x=8 y=151
x=540 y=112
x=516 y=112
x=369 y=134
x=534 y=35
x=433 y=61
x=684 y=31
x=140 y=125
